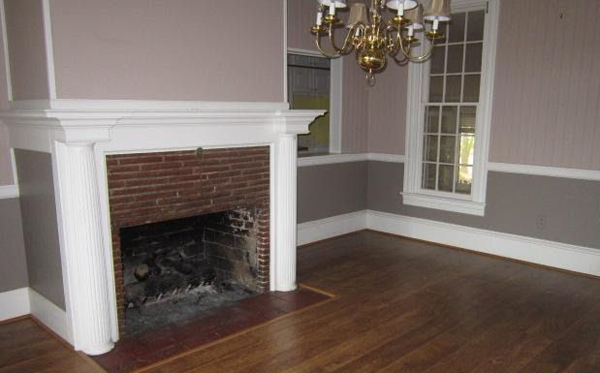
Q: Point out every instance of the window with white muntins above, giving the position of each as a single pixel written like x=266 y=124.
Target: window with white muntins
x=449 y=110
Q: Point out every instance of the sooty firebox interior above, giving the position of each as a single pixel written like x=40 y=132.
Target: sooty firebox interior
x=176 y=269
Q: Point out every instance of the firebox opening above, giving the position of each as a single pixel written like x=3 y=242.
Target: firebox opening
x=176 y=270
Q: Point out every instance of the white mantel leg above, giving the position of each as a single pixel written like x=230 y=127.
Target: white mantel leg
x=83 y=248
x=285 y=219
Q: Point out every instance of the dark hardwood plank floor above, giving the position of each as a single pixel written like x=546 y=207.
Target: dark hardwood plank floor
x=402 y=306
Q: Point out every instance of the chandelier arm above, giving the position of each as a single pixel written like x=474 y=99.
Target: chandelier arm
x=392 y=44
x=347 y=45
x=419 y=58
x=326 y=54
x=402 y=62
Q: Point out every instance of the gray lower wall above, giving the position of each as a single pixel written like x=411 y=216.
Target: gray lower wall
x=514 y=202
x=330 y=190
x=40 y=228
x=13 y=266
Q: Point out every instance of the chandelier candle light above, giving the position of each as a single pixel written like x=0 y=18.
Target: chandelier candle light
x=375 y=39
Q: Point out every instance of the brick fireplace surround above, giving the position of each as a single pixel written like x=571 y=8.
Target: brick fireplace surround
x=86 y=137
x=153 y=187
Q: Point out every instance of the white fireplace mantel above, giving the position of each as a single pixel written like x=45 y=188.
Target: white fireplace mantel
x=80 y=133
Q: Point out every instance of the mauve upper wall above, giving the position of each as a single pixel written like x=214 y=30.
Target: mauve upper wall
x=26 y=48
x=301 y=16
x=168 y=50
x=547 y=86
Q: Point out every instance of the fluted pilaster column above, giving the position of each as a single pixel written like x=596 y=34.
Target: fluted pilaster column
x=285 y=218
x=83 y=248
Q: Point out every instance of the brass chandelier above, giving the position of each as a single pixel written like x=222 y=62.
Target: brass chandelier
x=374 y=38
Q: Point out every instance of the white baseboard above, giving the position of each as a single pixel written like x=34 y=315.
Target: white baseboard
x=14 y=303
x=533 y=250
x=50 y=315
x=549 y=253
x=322 y=229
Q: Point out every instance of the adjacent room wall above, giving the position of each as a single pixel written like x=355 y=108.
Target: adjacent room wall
x=547 y=87
x=40 y=228
x=169 y=50
x=26 y=46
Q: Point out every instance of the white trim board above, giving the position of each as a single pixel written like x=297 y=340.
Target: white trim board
x=50 y=315
x=382 y=157
x=49 y=46
x=318 y=160
x=322 y=229
x=9 y=191
x=571 y=173
x=14 y=303
x=5 y=48
x=533 y=250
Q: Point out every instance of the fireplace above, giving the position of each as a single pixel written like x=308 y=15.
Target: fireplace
x=187 y=221
x=174 y=270
x=122 y=164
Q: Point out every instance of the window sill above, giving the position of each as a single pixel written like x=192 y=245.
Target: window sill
x=447 y=204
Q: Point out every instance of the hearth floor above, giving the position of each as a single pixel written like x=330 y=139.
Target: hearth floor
x=139 y=351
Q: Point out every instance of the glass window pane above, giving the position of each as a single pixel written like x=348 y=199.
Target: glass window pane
x=457 y=28
x=436 y=89
x=428 y=178
x=449 y=114
x=471 y=92
x=432 y=119
x=467 y=119
x=453 y=88
x=455 y=59
x=437 y=60
x=447 y=146
x=466 y=150
x=473 y=58
x=430 y=145
x=475 y=28
x=445 y=178
x=464 y=179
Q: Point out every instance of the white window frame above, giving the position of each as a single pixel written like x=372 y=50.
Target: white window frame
x=335 y=97
x=418 y=79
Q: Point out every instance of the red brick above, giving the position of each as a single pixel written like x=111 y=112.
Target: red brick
x=138 y=159
x=162 y=166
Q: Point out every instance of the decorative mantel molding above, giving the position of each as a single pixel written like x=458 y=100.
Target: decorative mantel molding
x=93 y=120
x=79 y=134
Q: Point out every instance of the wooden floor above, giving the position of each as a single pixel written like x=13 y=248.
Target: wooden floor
x=402 y=306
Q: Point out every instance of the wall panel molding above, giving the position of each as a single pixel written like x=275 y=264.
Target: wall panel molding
x=347 y=158
x=9 y=191
x=570 y=173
